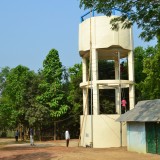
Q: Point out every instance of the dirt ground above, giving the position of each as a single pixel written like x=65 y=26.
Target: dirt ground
x=56 y=150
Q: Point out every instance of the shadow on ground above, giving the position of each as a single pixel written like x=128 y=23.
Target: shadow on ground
x=33 y=156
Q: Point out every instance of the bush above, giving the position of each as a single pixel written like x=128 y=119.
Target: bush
x=4 y=134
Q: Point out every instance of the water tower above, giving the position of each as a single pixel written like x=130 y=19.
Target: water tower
x=97 y=41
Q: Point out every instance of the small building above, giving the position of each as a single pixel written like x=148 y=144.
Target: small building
x=143 y=127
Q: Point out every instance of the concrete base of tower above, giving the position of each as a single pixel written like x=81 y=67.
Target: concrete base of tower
x=102 y=131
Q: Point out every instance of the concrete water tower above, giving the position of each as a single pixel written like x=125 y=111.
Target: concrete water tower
x=97 y=41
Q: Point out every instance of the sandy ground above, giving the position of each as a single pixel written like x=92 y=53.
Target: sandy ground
x=56 y=150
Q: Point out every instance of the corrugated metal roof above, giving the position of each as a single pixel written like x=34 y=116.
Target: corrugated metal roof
x=148 y=110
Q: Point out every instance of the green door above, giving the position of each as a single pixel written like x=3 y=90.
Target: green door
x=158 y=137
x=151 y=137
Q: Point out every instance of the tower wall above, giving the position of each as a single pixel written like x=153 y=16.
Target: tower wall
x=98 y=40
x=102 y=35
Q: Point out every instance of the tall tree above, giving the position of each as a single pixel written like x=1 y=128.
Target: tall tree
x=52 y=95
x=145 y=13
x=75 y=98
x=150 y=87
x=36 y=114
x=7 y=118
x=139 y=55
x=75 y=92
x=14 y=95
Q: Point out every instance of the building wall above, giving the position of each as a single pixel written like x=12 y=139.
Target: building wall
x=106 y=131
x=136 y=137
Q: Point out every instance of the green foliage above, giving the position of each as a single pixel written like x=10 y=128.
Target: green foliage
x=7 y=120
x=16 y=84
x=65 y=75
x=52 y=67
x=75 y=92
x=107 y=107
x=37 y=114
x=15 y=89
x=52 y=96
x=18 y=97
x=106 y=101
x=139 y=55
x=3 y=75
x=147 y=72
x=151 y=84
x=74 y=99
x=4 y=134
x=7 y=117
x=106 y=69
x=32 y=99
x=144 y=13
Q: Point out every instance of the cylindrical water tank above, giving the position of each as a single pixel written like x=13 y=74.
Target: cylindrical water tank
x=103 y=38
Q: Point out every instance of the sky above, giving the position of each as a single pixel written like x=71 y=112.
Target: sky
x=29 y=29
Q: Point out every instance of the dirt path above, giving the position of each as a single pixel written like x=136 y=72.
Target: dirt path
x=56 y=150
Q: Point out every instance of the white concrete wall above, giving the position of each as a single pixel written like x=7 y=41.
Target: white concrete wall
x=106 y=132
x=136 y=137
x=106 y=44
x=102 y=35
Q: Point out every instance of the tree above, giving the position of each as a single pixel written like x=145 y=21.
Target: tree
x=3 y=75
x=52 y=95
x=36 y=114
x=146 y=13
x=107 y=107
x=5 y=110
x=14 y=97
x=106 y=70
x=75 y=98
x=75 y=92
x=150 y=87
x=6 y=115
x=139 y=55
x=144 y=59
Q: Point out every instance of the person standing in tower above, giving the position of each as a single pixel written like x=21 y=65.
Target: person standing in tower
x=124 y=104
x=67 y=137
